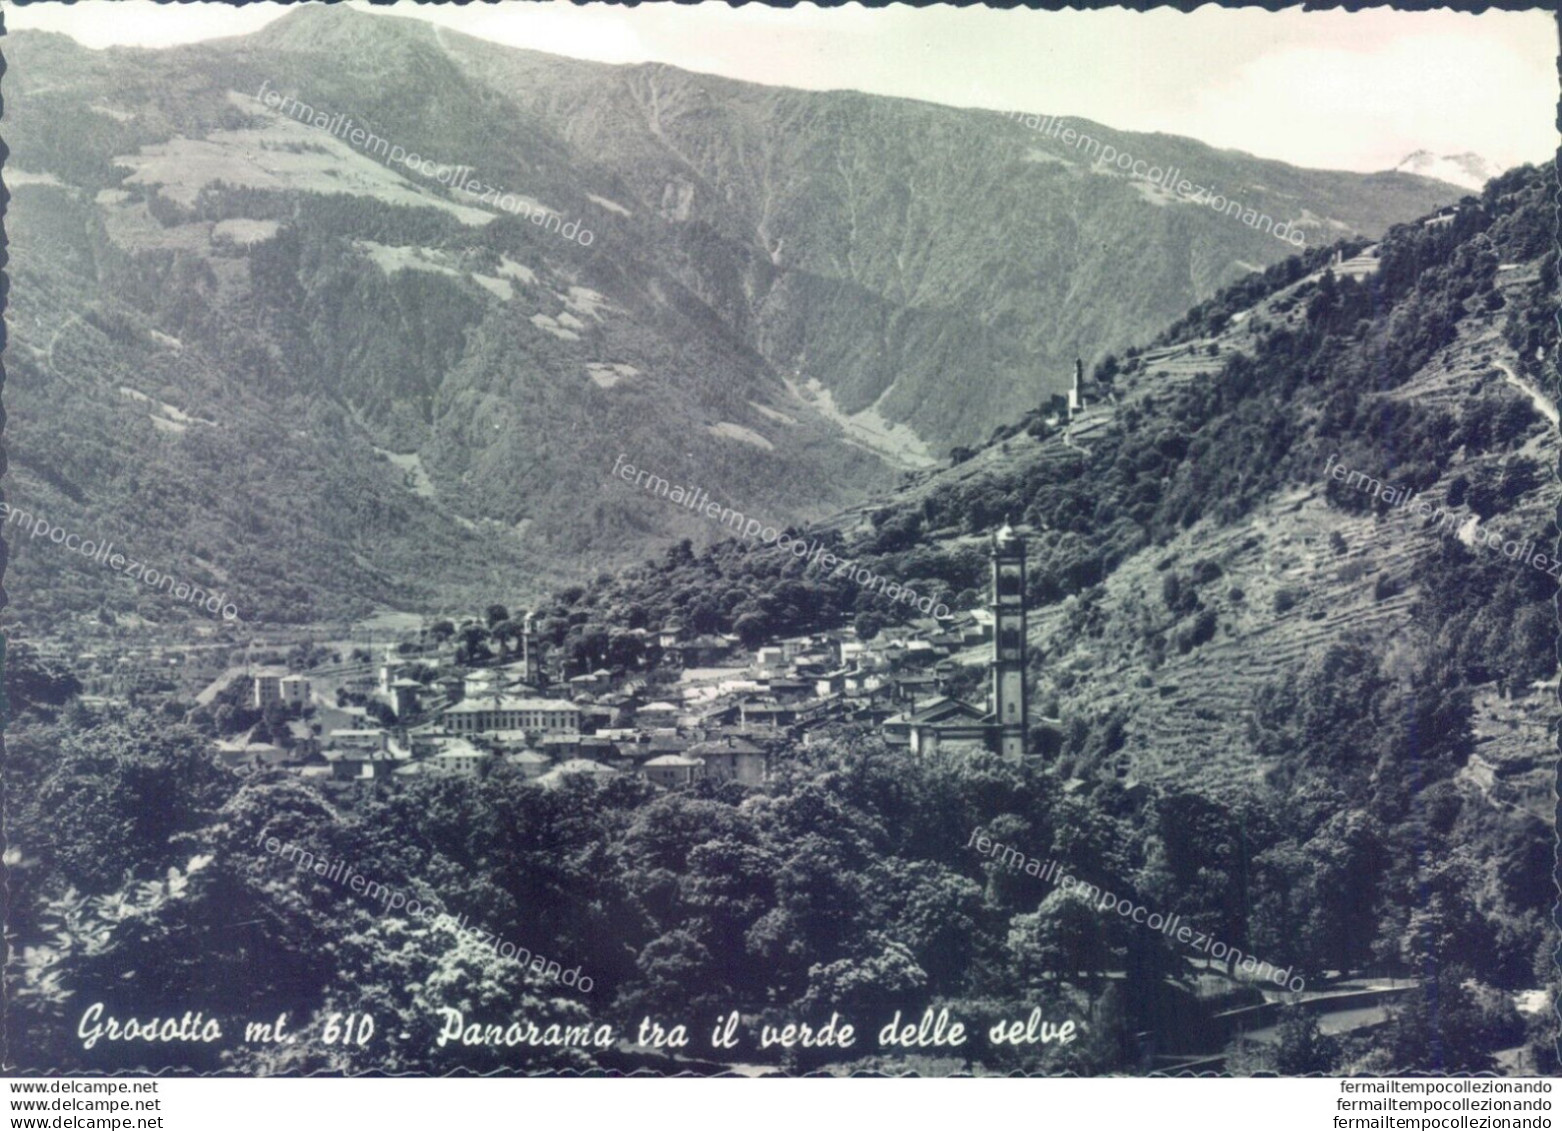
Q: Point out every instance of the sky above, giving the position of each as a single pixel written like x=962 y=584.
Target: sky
x=1319 y=89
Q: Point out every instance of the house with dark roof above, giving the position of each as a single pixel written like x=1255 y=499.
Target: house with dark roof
x=911 y=688
x=529 y=763
x=774 y=715
x=403 y=696
x=702 y=651
x=244 y=754
x=591 y=682
x=770 y=658
x=361 y=764
x=561 y=747
x=791 y=690
x=658 y=714
x=948 y=722
x=459 y=756
x=858 y=683
x=721 y=714
x=830 y=683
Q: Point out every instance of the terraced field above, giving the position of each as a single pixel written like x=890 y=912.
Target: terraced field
x=1187 y=714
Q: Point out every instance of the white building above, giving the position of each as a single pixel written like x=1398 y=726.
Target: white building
x=513 y=712
x=268 y=686
x=574 y=766
x=671 y=770
x=294 y=690
x=530 y=763
x=276 y=685
x=458 y=756
x=361 y=738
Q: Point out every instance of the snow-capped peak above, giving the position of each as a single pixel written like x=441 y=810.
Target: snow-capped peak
x=1467 y=170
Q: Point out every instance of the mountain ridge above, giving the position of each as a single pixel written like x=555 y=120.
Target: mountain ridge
x=786 y=296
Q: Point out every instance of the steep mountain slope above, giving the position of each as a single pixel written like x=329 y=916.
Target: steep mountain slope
x=1333 y=705
x=939 y=267
x=394 y=396
x=1191 y=551
x=1194 y=553
x=397 y=392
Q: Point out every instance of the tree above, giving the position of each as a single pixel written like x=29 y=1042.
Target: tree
x=868 y=623
x=1205 y=854
x=507 y=634
x=670 y=966
x=727 y=885
x=936 y=912
x=1301 y=1048
x=497 y=613
x=1063 y=939
x=1326 y=714
x=441 y=631
x=880 y=975
x=119 y=794
x=474 y=644
x=35 y=684
x=422 y=979
x=624 y=650
x=1451 y=1023
x=753 y=629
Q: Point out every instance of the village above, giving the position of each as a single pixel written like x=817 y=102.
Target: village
x=406 y=694
x=705 y=709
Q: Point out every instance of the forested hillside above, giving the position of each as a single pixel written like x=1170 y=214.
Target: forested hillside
x=1310 y=725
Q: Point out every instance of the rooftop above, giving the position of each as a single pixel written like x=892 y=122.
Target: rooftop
x=509 y=703
x=728 y=745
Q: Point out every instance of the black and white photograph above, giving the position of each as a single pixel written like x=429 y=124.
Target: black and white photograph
x=575 y=540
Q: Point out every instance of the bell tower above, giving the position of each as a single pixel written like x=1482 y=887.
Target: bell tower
x=1009 y=706
x=529 y=654
x=1076 y=393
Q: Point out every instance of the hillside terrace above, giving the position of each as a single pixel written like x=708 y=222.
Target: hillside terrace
x=1187 y=715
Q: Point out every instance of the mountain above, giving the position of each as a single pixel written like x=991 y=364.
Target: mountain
x=879 y=246
x=324 y=381
x=1189 y=545
x=1468 y=170
x=1291 y=595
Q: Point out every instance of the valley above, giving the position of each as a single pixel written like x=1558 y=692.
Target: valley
x=786 y=295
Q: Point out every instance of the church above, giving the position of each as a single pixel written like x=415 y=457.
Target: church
x=1000 y=726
